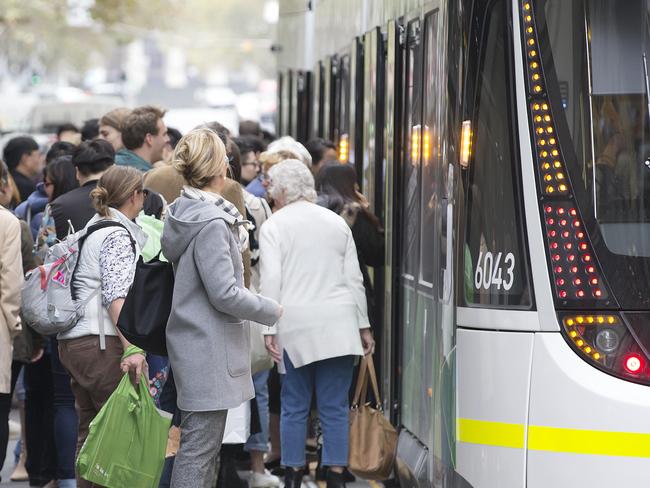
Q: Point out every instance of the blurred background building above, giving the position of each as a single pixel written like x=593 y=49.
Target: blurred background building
x=70 y=60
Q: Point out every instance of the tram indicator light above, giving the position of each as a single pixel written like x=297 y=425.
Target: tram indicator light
x=604 y=340
x=465 y=143
x=344 y=148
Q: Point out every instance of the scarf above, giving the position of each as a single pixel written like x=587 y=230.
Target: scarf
x=239 y=228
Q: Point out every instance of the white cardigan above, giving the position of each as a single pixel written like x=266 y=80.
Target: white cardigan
x=309 y=264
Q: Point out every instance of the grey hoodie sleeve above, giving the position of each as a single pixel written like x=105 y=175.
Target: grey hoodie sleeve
x=214 y=262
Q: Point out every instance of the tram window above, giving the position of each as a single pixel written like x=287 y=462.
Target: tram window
x=431 y=182
x=412 y=121
x=496 y=263
x=342 y=103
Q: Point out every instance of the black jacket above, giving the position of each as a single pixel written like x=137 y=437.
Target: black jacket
x=25 y=185
x=369 y=240
x=74 y=206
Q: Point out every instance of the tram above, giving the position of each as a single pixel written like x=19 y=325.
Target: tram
x=505 y=146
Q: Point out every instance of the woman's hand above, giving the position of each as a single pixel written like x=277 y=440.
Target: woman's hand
x=135 y=365
x=271 y=344
x=367 y=341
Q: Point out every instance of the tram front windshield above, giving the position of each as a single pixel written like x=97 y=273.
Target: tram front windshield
x=595 y=64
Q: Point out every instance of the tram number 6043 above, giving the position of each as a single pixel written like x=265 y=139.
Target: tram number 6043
x=489 y=271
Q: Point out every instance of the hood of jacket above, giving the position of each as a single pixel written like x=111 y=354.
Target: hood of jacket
x=35 y=203
x=186 y=217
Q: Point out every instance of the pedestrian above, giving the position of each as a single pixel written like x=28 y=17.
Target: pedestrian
x=309 y=264
x=50 y=419
x=68 y=132
x=250 y=165
x=23 y=158
x=268 y=159
x=94 y=359
x=321 y=151
x=207 y=336
x=144 y=136
x=59 y=178
x=110 y=127
x=72 y=210
x=11 y=279
x=174 y=136
x=90 y=130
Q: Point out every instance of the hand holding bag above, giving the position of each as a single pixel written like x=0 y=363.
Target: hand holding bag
x=373 y=440
x=127 y=439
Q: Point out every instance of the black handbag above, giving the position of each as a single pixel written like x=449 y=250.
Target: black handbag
x=146 y=309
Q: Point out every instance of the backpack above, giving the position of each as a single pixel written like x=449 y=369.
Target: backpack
x=146 y=309
x=49 y=304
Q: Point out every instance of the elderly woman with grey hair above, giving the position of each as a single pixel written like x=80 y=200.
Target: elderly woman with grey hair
x=309 y=265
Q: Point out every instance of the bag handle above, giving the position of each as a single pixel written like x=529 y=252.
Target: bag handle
x=362 y=383
x=366 y=372
x=373 y=380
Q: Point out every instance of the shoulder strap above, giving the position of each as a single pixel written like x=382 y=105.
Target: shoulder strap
x=102 y=224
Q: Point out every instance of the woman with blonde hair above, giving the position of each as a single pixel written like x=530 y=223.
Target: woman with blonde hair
x=93 y=351
x=207 y=333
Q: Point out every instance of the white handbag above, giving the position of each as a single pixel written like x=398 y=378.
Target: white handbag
x=238 y=424
x=260 y=358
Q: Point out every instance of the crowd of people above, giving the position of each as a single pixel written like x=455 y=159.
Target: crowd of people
x=270 y=241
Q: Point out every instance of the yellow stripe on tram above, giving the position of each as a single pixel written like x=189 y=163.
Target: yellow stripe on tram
x=554 y=439
x=491 y=433
x=627 y=444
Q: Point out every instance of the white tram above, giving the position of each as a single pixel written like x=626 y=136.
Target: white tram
x=505 y=145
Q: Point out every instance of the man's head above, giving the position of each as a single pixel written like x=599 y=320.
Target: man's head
x=144 y=133
x=250 y=128
x=69 y=133
x=90 y=130
x=321 y=150
x=59 y=149
x=92 y=158
x=22 y=154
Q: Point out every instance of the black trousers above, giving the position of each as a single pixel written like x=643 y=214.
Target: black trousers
x=5 y=409
x=39 y=422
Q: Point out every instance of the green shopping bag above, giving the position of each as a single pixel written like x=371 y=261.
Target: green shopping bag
x=126 y=441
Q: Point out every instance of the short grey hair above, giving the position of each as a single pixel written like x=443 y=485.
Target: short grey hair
x=288 y=143
x=291 y=181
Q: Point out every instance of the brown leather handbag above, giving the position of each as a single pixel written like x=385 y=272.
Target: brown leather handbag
x=373 y=440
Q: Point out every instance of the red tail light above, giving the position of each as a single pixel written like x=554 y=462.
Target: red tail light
x=577 y=277
x=609 y=342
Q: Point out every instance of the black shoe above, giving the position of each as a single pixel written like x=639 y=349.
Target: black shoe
x=293 y=478
x=335 y=480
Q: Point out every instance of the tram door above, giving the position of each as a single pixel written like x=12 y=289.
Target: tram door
x=425 y=298
x=371 y=162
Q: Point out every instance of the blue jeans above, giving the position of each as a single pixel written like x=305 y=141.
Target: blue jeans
x=331 y=378
x=66 y=420
x=260 y=441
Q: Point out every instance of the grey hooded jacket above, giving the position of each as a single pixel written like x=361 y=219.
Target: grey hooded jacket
x=208 y=334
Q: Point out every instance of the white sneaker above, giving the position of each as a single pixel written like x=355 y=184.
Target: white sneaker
x=263 y=480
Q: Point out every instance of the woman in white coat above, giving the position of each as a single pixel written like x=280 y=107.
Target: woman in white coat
x=309 y=264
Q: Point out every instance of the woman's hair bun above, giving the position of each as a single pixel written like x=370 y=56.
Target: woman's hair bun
x=99 y=197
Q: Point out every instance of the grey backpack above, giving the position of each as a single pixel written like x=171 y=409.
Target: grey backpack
x=48 y=301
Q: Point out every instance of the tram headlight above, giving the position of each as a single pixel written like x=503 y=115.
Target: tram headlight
x=607 y=341
x=610 y=342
